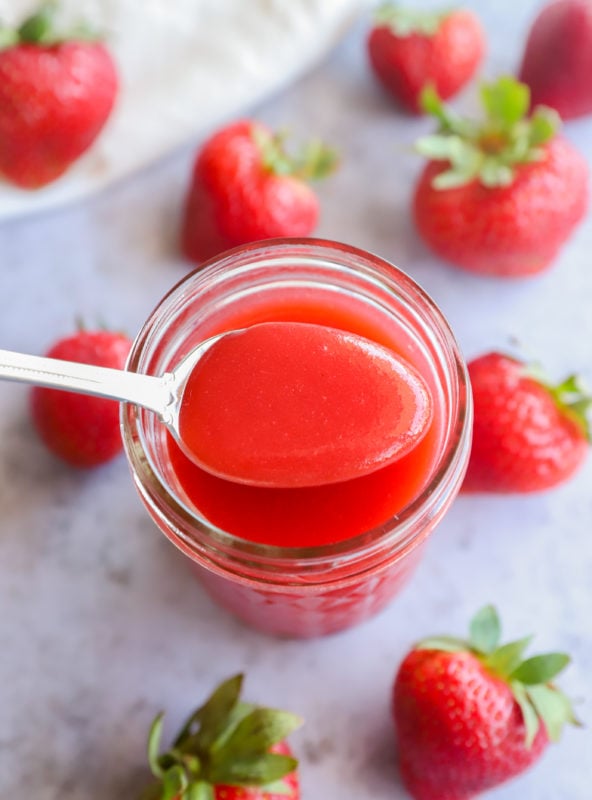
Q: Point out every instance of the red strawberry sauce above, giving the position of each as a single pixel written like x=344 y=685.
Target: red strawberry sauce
x=325 y=514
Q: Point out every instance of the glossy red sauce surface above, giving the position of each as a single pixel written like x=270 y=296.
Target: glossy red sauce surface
x=292 y=405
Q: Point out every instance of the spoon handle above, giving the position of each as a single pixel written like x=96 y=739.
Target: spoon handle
x=155 y=394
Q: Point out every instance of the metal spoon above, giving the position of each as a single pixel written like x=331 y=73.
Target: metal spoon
x=162 y=395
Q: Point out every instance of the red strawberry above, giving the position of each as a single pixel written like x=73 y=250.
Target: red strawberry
x=528 y=435
x=81 y=429
x=245 y=187
x=499 y=197
x=55 y=97
x=557 y=61
x=227 y=750
x=470 y=715
x=409 y=48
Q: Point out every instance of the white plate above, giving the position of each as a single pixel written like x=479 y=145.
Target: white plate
x=185 y=65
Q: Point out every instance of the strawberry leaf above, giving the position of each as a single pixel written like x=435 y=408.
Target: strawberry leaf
x=213 y=716
x=273 y=154
x=540 y=669
x=448 y=644
x=154 y=738
x=265 y=769
x=544 y=124
x=571 y=387
x=553 y=707
x=238 y=713
x=431 y=103
x=439 y=148
x=529 y=714
x=450 y=123
x=39 y=28
x=493 y=173
x=485 y=630
x=199 y=791
x=453 y=178
x=465 y=159
x=506 y=101
x=505 y=659
x=314 y=161
x=259 y=731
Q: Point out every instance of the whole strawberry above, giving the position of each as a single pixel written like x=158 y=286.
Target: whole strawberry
x=557 y=60
x=528 y=435
x=472 y=714
x=56 y=93
x=81 y=429
x=227 y=750
x=502 y=195
x=246 y=187
x=409 y=48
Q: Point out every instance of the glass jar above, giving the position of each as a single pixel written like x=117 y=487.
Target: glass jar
x=304 y=575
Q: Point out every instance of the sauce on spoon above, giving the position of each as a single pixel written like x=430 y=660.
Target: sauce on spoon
x=287 y=405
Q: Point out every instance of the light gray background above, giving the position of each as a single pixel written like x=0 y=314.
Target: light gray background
x=102 y=623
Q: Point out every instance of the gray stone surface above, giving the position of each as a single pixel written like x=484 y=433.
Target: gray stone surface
x=102 y=623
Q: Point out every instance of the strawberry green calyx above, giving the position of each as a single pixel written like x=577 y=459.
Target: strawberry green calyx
x=489 y=150
x=41 y=29
x=313 y=162
x=224 y=742
x=407 y=21
x=530 y=679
